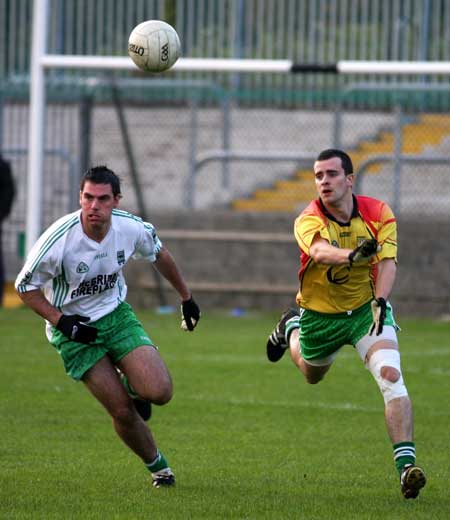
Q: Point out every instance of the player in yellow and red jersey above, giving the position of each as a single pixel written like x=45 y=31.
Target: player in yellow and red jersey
x=339 y=288
x=348 y=247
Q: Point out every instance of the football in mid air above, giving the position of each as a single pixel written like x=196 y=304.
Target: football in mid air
x=154 y=46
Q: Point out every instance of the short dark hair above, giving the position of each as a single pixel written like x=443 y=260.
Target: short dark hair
x=347 y=164
x=102 y=175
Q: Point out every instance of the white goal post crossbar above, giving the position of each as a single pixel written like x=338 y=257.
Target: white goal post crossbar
x=52 y=61
x=41 y=61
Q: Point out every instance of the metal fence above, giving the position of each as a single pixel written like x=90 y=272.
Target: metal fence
x=306 y=31
x=175 y=122
x=189 y=155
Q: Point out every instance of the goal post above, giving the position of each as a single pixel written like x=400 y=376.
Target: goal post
x=42 y=61
x=55 y=61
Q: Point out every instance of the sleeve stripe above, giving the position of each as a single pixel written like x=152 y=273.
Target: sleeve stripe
x=121 y=213
x=54 y=237
x=60 y=289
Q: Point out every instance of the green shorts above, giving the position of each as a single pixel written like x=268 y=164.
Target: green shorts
x=323 y=334
x=119 y=333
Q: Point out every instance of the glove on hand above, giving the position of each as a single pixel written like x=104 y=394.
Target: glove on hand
x=379 y=315
x=73 y=327
x=365 y=251
x=190 y=314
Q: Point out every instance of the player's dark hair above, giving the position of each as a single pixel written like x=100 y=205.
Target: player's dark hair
x=347 y=164
x=102 y=175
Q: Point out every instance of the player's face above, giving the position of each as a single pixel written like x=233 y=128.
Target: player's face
x=97 y=202
x=332 y=185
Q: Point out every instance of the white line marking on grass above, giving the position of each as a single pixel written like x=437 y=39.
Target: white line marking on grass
x=350 y=407
x=440 y=372
x=410 y=370
x=243 y=359
x=427 y=353
x=286 y=404
x=232 y=359
x=246 y=359
x=406 y=353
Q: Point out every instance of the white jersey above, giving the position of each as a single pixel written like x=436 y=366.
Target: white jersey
x=81 y=276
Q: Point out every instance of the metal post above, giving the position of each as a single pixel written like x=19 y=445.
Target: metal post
x=238 y=35
x=85 y=138
x=190 y=185
x=226 y=132
x=424 y=46
x=36 y=131
x=2 y=105
x=337 y=126
x=397 y=158
x=129 y=152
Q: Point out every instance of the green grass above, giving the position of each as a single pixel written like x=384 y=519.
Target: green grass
x=247 y=439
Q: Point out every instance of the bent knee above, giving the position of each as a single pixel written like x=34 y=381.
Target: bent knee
x=314 y=373
x=384 y=364
x=158 y=394
x=162 y=396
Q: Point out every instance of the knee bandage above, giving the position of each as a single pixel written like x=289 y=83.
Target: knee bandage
x=387 y=358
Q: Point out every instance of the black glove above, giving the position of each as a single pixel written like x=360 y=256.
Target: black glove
x=190 y=314
x=365 y=251
x=74 y=328
x=379 y=315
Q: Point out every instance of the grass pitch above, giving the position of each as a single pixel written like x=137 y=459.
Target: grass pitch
x=246 y=438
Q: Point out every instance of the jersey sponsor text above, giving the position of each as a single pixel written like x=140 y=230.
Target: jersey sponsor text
x=96 y=285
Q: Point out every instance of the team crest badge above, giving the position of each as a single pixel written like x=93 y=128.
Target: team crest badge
x=121 y=257
x=27 y=278
x=82 y=268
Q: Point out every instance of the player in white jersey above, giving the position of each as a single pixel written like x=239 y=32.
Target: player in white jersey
x=73 y=279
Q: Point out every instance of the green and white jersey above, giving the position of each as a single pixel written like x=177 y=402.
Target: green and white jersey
x=81 y=276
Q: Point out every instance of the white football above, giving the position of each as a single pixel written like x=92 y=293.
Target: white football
x=154 y=46
x=185 y=327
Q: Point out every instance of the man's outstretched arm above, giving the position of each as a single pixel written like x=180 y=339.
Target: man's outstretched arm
x=190 y=312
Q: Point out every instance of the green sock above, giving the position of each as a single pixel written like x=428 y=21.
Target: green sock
x=158 y=463
x=404 y=453
x=291 y=324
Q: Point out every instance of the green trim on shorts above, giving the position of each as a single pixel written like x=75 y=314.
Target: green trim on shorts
x=119 y=333
x=323 y=334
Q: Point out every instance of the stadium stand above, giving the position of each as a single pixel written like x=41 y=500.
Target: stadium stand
x=418 y=137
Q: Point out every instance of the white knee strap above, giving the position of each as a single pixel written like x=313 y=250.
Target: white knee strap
x=387 y=358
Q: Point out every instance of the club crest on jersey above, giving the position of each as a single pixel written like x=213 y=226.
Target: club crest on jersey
x=27 y=278
x=82 y=268
x=121 y=257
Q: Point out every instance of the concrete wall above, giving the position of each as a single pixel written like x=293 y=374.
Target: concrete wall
x=233 y=269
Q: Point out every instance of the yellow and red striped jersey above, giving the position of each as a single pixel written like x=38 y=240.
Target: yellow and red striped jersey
x=341 y=288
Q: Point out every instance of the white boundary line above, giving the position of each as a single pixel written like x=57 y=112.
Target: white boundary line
x=344 y=406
